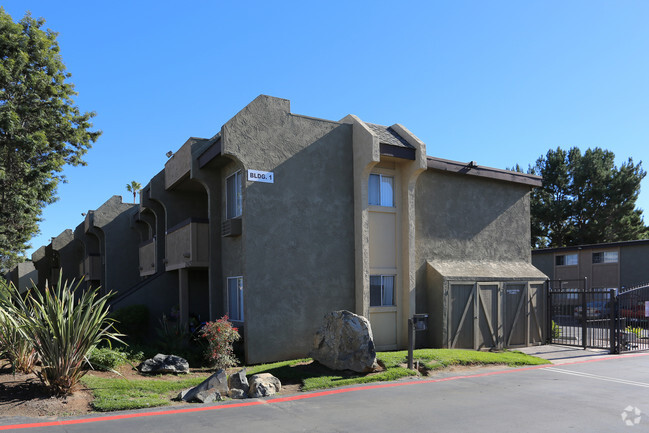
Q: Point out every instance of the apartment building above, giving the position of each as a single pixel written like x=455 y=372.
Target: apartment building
x=280 y=218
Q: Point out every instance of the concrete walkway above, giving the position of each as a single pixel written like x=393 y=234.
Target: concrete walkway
x=563 y=354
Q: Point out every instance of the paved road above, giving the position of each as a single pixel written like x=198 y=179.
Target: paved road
x=588 y=396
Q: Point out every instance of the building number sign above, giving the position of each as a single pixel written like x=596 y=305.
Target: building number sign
x=261 y=176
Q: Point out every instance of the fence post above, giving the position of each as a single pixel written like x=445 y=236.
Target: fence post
x=614 y=315
x=584 y=315
x=548 y=314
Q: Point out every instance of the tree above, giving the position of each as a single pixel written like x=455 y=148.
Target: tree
x=41 y=130
x=585 y=199
x=133 y=187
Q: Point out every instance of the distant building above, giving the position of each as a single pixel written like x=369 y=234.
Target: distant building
x=280 y=218
x=614 y=265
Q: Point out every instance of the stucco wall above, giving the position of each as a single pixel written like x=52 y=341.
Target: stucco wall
x=467 y=219
x=298 y=238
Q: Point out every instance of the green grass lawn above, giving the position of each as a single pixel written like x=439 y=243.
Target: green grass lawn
x=119 y=394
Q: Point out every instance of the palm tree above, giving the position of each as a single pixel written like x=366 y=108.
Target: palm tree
x=133 y=187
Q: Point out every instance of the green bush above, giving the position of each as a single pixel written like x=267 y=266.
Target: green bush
x=106 y=359
x=63 y=325
x=132 y=321
x=556 y=330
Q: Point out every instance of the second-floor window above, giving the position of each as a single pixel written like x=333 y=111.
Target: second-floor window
x=566 y=260
x=605 y=257
x=381 y=190
x=233 y=195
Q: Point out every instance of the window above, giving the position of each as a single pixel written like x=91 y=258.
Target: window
x=605 y=257
x=233 y=196
x=566 y=260
x=381 y=290
x=235 y=298
x=381 y=190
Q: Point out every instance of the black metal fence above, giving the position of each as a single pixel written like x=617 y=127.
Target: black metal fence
x=579 y=315
x=633 y=313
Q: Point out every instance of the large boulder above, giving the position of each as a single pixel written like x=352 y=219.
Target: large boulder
x=344 y=342
x=264 y=385
x=164 y=364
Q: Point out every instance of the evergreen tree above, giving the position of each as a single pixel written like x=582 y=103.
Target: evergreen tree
x=41 y=130
x=585 y=199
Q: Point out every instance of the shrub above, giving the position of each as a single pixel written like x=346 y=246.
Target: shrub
x=63 y=329
x=133 y=321
x=19 y=351
x=106 y=359
x=556 y=330
x=220 y=335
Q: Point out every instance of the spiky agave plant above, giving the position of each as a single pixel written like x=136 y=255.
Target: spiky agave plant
x=64 y=323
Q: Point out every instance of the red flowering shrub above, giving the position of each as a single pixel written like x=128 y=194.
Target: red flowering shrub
x=220 y=335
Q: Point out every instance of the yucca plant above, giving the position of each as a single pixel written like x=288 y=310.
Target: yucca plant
x=63 y=323
x=18 y=349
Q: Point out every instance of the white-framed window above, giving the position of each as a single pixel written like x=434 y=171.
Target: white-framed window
x=233 y=195
x=566 y=260
x=235 y=298
x=381 y=290
x=605 y=257
x=381 y=190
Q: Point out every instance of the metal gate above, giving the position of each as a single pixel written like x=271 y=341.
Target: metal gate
x=597 y=317
x=633 y=313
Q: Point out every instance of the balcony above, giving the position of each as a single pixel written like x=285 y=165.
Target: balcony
x=92 y=266
x=179 y=165
x=187 y=245
x=147 y=258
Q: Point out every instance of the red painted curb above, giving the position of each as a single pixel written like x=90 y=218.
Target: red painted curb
x=297 y=397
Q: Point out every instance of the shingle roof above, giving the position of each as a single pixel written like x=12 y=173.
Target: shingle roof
x=388 y=135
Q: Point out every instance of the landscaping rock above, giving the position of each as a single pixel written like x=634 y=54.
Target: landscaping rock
x=164 y=364
x=237 y=393
x=239 y=380
x=209 y=396
x=264 y=385
x=344 y=342
x=217 y=381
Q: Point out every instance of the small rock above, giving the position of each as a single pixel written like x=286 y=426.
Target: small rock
x=236 y=393
x=208 y=396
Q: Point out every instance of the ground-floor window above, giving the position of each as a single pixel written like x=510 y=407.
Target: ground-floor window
x=381 y=290
x=235 y=298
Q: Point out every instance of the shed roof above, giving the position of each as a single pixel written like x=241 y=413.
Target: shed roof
x=518 y=270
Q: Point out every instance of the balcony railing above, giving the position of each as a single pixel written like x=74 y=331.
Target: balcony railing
x=187 y=245
x=147 y=258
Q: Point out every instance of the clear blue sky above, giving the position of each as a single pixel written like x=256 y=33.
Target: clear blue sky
x=498 y=82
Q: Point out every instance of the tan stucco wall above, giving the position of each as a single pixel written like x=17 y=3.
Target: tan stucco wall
x=297 y=246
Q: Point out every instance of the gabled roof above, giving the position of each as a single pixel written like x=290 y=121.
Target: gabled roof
x=387 y=135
